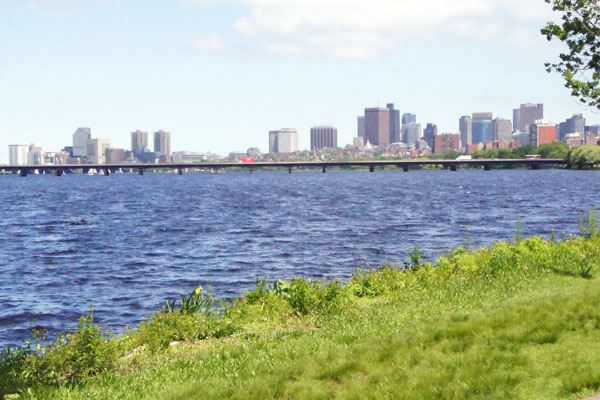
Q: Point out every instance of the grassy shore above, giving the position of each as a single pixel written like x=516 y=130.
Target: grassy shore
x=516 y=320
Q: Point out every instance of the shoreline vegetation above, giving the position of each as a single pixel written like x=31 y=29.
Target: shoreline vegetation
x=515 y=320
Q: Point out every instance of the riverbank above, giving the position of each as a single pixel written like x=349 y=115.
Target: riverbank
x=515 y=320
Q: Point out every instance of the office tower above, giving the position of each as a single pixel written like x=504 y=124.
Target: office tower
x=35 y=155
x=482 y=131
x=162 y=143
x=411 y=133
x=465 y=125
x=139 y=142
x=408 y=118
x=502 y=130
x=483 y=116
x=575 y=124
x=17 y=154
x=377 y=126
x=96 y=150
x=429 y=134
x=516 y=119
x=361 y=126
x=528 y=114
x=323 y=137
x=542 y=131
x=594 y=129
x=283 y=141
x=447 y=142
x=80 y=140
x=395 y=132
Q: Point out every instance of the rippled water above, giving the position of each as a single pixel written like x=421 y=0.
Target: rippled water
x=129 y=242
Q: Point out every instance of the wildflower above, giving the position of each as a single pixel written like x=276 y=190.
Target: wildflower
x=198 y=290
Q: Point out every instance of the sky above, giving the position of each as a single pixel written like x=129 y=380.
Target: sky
x=219 y=74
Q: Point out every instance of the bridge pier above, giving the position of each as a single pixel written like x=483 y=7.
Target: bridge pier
x=141 y=171
x=405 y=168
x=23 y=173
x=371 y=168
x=58 y=172
x=453 y=168
x=251 y=171
x=179 y=171
x=487 y=167
x=290 y=169
x=106 y=171
x=324 y=169
x=535 y=167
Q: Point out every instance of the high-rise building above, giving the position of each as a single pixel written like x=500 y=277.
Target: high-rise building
x=17 y=154
x=35 y=155
x=516 y=119
x=447 y=142
x=482 y=131
x=528 y=114
x=502 y=130
x=162 y=143
x=483 y=116
x=80 y=140
x=361 y=126
x=377 y=126
x=594 y=129
x=395 y=132
x=139 y=142
x=115 y=156
x=465 y=125
x=96 y=150
x=411 y=133
x=408 y=118
x=323 y=137
x=429 y=134
x=542 y=131
x=283 y=141
x=575 y=124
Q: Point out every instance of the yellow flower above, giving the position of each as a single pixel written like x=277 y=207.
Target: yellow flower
x=198 y=290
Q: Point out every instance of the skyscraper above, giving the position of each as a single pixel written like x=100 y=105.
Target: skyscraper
x=80 y=140
x=283 y=141
x=411 y=133
x=502 y=130
x=465 y=125
x=323 y=137
x=528 y=114
x=377 y=126
x=516 y=119
x=408 y=118
x=139 y=142
x=429 y=134
x=162 y=143
x=361 y=126
x=96 y=150
x=395 y=132
x=482 y=127
x=575 y=124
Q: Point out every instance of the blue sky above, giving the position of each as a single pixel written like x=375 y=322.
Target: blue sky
x=219 y=74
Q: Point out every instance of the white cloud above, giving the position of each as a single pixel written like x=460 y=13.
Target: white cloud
x=211 y=43
x=361 y=29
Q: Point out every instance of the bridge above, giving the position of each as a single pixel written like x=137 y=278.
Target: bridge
x=371 y=165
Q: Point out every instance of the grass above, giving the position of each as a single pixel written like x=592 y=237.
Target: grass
x=513 y=321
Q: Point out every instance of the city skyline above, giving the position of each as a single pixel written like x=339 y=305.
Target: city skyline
x=185 y=66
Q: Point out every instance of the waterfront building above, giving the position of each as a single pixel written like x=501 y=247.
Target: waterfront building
x=162 y=143
x=80 y=141
x=96 y=150
x=542 y=131
x=575 y=124
x=115 y=156
x=361 y=126
x=322 y=137
x=465 y=126
x=446 y=142
x=429 y=134
x=283 y=141
x=382 y=125
x=502 y=130
x=17 y=154
x=411 y=133
x=35 y=155
x=482 y=131
x=528 y=114
x=139 y=142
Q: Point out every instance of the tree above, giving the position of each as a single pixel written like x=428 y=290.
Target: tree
x=580 y=31
x=552 y=150
x=585 y=157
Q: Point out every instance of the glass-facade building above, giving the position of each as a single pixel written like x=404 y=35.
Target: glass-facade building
x=482 y=131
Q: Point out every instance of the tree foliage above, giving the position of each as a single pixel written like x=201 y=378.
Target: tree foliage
x=580 y=31
x=585 y=157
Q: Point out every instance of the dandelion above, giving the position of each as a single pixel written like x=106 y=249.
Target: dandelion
x=198 y=290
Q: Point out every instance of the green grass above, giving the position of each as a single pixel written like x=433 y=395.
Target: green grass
x=512 y=321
